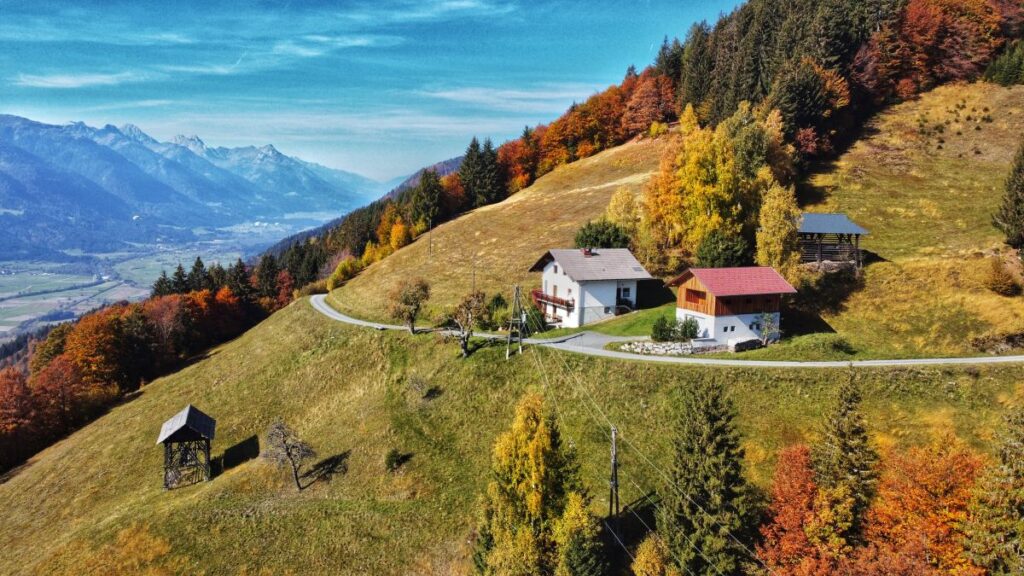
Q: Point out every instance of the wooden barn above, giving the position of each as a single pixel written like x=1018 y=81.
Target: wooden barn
x=830 y=238
x=730 y=304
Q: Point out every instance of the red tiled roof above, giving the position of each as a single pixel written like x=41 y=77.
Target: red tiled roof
x=748 y=281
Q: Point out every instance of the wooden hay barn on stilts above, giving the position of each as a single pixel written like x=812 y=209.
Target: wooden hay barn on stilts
x=186 y=438
x=830 y=238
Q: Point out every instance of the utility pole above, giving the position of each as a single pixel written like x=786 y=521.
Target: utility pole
x=613 y=483
x=515 y=323
x=474 y=272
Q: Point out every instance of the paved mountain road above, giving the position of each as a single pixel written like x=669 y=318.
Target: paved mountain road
x=593 y=344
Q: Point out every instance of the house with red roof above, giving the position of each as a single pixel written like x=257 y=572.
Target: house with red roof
x=729 y=304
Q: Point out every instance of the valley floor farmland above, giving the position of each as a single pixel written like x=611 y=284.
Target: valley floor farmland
x=93 y=503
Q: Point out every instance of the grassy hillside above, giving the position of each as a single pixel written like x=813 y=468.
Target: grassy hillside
x=503 y=240
x=93 y=503
x=925 y=180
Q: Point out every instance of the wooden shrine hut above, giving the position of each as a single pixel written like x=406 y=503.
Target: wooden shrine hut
x=186 y=438
x=830 y=237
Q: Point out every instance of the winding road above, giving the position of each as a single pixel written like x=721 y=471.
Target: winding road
x=593 y=344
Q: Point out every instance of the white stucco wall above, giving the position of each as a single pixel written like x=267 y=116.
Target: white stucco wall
x=727 y=328
x=595 y=300
x=566 y=289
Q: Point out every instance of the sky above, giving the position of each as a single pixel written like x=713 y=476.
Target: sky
x=381 y=88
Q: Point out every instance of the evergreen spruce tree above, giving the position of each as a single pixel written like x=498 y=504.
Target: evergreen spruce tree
x=218 y=276
x=426 y=199
x=163 y=286
x=844 y=457
x=470 y=170
x=266 y=276
x=706 y=513
x=697 y=66
x=239 y=283
x=490 y=183
x=179 y=281
x=198 y=277
x=1010 y=218
x=995 y=530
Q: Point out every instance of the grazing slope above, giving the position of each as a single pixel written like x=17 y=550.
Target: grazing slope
x=925 y=180
x=93 y=503
x=502 y=240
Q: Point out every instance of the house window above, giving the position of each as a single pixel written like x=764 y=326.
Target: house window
x=570 y=293
x=695 y=297
x=556 y=268
x=625 y=292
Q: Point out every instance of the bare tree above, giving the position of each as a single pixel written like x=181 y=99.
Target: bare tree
x=285 y=447
x=465 y=317
x=405 y=300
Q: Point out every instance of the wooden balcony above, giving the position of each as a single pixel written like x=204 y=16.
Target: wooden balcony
x=540 y=299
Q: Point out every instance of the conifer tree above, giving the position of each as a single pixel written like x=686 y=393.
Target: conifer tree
x=179 y=281
x=490 y=184
x=266 y=276
x=238 y=281
x=706 y=510
x=778 y=238
x=470 y=170
x=426 y=199
x=697 y=67
x=995 y=530
x=198 y=277
x=1010 y=217
x=844 y=456
x=163 y=286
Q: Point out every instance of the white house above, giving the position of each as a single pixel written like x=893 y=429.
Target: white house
x=581 y=286
x=729 y=304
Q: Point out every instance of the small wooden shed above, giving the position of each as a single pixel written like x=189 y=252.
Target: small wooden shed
x=186 y=438
x=830 y=237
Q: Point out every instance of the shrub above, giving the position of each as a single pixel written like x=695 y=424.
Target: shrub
x=670 y=330
x=662 y=330
x=602 y=234
x=317 y=287
x=1000 y=280
x=345 y=271
x=535 y=321
x=688 y=329
x=657 y=129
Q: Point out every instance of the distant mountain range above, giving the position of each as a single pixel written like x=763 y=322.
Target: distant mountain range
x=75 y=187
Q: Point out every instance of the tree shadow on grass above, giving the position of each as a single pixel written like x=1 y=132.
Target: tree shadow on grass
x=628 y=528
x=825 y=296
x=326 y=469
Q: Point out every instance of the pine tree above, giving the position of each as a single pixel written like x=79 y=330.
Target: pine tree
x=706 y=509
x=995 y=530
x=198 y=277
x=697 y=67
x=1010 y=218
x=426 y=199
x=266 y=276
x=471 y=169
x=179 y=281
x=238 y=281
x=490 y=184
x=778 y=237
x=844 y=456
x=163 y=286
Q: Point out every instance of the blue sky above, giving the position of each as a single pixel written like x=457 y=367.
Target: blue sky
x=377 y=87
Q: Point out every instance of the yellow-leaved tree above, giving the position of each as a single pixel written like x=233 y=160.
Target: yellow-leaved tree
x=534 y=518
x=713 y=180
x=623 y=211
x=778 y=240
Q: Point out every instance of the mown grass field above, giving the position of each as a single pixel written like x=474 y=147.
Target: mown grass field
x=503 y=240
x=93 y=503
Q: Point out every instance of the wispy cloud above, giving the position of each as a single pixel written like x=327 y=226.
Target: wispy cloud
x=433 y=10
x=313 y=45
x=67 y=81
x=543 y=99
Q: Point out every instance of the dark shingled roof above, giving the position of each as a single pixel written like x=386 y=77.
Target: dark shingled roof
x=813 y=223
x=600 y=264
x=189 y=424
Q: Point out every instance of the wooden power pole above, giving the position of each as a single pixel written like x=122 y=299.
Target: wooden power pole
x=613 y=483
x=516 y=323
